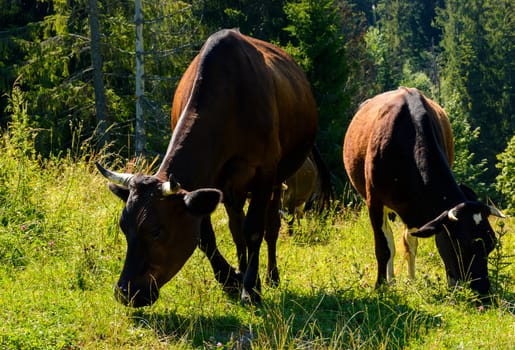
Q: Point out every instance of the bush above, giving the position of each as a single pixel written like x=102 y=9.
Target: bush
x=506 y=178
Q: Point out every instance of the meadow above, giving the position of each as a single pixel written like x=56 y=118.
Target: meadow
x=61 y=252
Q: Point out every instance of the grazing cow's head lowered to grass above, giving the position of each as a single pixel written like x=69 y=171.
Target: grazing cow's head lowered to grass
x=161 y=223
x=464 y=239
x=244 y=119
x=398 y=152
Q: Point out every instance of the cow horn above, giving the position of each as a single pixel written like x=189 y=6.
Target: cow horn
x=452 y=214
x=495 y=212
x=121 y=179
x=170 y=187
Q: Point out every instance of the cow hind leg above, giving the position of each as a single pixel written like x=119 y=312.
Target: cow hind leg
x=299 y=213
x=387 y=230
x=291 y=222
x=384 y=243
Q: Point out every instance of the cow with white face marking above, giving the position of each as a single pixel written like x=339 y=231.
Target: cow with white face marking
x=398 y=152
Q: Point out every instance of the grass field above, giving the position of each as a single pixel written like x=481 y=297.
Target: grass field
x=61 y=252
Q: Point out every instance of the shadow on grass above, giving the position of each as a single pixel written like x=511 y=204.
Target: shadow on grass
x=196 y=330
x=318 y=320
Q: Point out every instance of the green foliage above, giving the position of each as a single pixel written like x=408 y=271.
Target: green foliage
x=477 y=65
x=418 y=79
x=55 y=70
x=506 y=178
x=318 y=36
x=19 y=137
x=19 y=163
x=466 y=168
x=31 y=223
x=262 y=19
x=401 y=33
x=318 y=46
x=499 y=262
x=377 y=50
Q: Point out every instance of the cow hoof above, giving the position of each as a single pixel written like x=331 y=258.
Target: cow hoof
x=273 y=278
x=250 y=297
x=232 y=285
x=232 y=291
x=381 y=286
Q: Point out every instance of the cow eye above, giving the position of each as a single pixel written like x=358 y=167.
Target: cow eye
x=156 y=234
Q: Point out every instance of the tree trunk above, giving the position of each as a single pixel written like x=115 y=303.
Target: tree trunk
x=140 y=138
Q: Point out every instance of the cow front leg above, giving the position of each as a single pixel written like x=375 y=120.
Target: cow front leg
x=236 y=218
x=225 y=274
x=253 y=229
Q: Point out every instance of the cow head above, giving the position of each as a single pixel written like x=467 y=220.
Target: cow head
x=161 y=223
x=464 y=239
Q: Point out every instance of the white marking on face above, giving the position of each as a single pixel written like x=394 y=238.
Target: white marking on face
x=477 y=218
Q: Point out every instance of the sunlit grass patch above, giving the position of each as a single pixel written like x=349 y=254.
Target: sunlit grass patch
x=61 y=252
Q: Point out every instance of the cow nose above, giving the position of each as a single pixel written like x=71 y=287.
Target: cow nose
x=135 y=297
x=121 y=294
x=481 y=285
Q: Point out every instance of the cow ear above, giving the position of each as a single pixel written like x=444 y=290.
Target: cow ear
x=119 y=191
x=203 y=201
x=433 y=227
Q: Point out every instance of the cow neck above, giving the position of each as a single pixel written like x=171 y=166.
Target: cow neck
x=439 y=185
x=434 y=199
x=199 y=145
x=445 y=196
x=191 y=153
x=439 y=193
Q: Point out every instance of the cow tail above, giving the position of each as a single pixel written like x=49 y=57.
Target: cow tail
x=326 y=194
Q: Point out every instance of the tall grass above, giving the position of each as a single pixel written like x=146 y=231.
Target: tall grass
x=61 y=252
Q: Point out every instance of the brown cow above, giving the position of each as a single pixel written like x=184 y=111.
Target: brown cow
x=397 y=152
x=244 y=119
x=310 y=186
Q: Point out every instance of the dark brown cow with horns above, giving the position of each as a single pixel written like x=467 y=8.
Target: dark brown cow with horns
x=398 y=152
x=244 y=119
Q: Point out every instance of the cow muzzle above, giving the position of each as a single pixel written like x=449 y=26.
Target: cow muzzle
x=136 y=297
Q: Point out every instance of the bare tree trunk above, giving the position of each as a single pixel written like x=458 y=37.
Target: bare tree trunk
x=140 y=139
x=98 y=79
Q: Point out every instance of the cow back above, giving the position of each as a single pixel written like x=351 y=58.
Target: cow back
x=245 y=109
x=398 y=149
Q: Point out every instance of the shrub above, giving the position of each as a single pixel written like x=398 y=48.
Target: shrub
x=506 y=178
